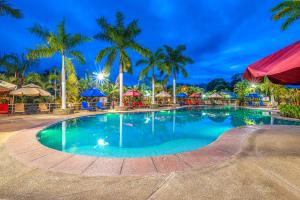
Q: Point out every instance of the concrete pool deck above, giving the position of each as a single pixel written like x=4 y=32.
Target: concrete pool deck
x=266 y=166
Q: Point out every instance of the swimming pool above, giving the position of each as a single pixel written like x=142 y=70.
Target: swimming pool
x=150 y=133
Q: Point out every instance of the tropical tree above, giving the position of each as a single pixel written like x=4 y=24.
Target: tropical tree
x=16 y=66
x=59 y=42
x=122 y=38
x=242 y=88
x=7 y=10
x=72 y=82
x=217 y=84
x=271 y=89
x=34 y=78
x=153 y=60
x=195 y=89
x=109 y=89
x=53 y=79
x=289 y=9
x=175 y=63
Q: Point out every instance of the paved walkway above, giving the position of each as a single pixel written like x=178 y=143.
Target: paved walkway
x=268 y=167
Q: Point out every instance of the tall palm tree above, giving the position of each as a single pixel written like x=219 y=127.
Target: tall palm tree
x=61 y=43
x=16 y=66
x=122 y=38
x=152 y=61
x=289 y=9
x=7 y=10
x=175 y=62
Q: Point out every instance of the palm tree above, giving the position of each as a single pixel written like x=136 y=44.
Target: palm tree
x=6 y=9
x=16 y=66
x=58 y=42
x=175 y=62
x=153 y=60
x=121 y=38
x=242 y=88
x=289 y=9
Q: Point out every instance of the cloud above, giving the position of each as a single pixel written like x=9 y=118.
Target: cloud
x=223 y=37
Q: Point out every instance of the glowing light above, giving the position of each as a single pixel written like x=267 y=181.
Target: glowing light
x=101 y=142
x=100 y=76
x=253 y=85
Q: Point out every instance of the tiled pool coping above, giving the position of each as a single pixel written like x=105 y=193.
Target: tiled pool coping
x=24 y=147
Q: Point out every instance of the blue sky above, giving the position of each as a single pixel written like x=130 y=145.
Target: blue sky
x=222 y=36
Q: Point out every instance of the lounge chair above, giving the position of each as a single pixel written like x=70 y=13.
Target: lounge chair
x=3 y=108
x=261 y=103
x=99 y=105
x=43 y=108
x=19 y=108
x=85 y=106
x=250 y=103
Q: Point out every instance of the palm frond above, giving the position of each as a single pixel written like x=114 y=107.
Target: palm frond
x=132 y=29
x=184 y=72
x=102 y=22
x=145 y=71
x=282 y=13
x=290 y=21
x=61 y=30
x=6 y=9
x=126 y=62
x=141 y=62
x=110 y=59
x=102 y=53
x=139 y=49
x=76 y=39
x=39 y=31
x=78 y=56
x=119 y=20
x=40 y=52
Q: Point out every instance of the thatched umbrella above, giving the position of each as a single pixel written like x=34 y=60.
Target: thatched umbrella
x=163 y=94
x=30 y=90
x=215 y=96
x=6 y=87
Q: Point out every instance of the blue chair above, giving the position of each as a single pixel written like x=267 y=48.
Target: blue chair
x=250 y=103
x=99 y=105
x=261 y=103
x=85 y=106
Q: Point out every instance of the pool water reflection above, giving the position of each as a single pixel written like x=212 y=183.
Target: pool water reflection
x=150 y=133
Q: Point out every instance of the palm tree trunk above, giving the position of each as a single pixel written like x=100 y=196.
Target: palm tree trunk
x=153 y=88
x=63 y=84
x=174 y=90
x=121 y=86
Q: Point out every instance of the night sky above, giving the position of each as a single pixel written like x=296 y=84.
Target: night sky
x=222 y=36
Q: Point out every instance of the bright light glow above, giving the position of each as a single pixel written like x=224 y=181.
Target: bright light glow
x=100 y=76
x=253 y=85
x=101 y=142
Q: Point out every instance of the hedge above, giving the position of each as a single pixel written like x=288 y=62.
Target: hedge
x=290 y=111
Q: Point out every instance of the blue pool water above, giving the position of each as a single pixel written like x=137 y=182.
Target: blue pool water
x=150 y=133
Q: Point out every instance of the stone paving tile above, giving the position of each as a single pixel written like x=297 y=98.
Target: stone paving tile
x=50 y=160
x=141 y=166
x=105 y=167
x=35 y=154
x=166 y=164
x=203 y=157
x=74 y=165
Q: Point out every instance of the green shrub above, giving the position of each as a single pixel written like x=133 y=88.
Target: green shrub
x=290 y=111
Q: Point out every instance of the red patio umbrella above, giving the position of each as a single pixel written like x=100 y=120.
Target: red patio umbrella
x=281 y=67
x=195 y=95
x=132 y=93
